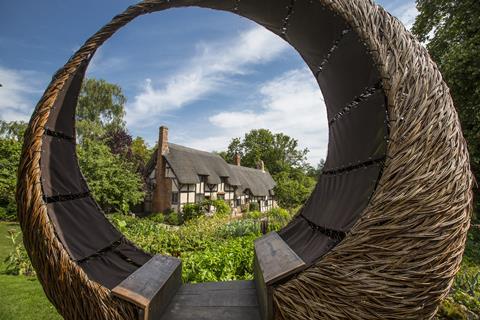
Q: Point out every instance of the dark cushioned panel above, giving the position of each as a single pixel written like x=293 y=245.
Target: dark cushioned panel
x=358 y=136
x=270 y=14
x=338 y=200
x=307 y=243
x=60 y=172
x=107 y=268
x=81 y=227
x=62 y=116
x=312 y=30
x=131 y=253
x=347 y=74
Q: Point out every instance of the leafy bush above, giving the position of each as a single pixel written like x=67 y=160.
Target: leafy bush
x=18 y=262
x=174 y=219
x=239 y=228
x=191 y=211
x=231 y=259
x=10 y=150
x=253 y=206
x=253 y=214
x=158 y=217
x=221 y=207
x=113 y=182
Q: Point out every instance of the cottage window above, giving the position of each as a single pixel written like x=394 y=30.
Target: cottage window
x=174 y=197
x=221 y=196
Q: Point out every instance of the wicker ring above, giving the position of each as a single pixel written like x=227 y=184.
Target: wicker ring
x=384 y=231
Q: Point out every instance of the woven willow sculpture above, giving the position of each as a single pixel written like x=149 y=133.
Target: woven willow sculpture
x=389 y=249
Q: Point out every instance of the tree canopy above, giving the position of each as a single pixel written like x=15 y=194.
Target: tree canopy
x=451 y=31
x=278 y=151
x=101 y=107
x=283 y=158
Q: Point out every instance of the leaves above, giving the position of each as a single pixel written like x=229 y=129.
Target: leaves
x=451 y=30
x=113 y=182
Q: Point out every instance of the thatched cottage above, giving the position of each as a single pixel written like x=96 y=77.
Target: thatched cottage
x=177 y=175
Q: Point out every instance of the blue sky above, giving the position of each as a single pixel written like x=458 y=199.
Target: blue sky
x=209 y=76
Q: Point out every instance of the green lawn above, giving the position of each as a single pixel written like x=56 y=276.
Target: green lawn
x=22 y=298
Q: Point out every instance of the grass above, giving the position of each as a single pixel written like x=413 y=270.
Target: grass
x=22 y=298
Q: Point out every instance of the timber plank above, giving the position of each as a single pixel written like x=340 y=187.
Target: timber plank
x=233 y=300
x=152 y=286
x=276 y=259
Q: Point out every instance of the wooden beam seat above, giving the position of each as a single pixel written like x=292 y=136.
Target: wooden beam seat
x=231 y=300
x=274 y=262
x=152 y=286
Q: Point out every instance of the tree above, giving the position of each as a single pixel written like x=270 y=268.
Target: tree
x=13 y=130
x=278 y=151
x=451 y=31
x=293 y=188
x=282 y=157
x=101 y=107
x=114 y=183
x=11 y=139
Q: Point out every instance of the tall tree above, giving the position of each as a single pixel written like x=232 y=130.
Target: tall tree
x=282 y=157
x=11 y=139
x=101 y=107
x=451 y=30
x=278 y=151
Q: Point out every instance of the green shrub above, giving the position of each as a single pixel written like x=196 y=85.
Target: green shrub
x=253 y=206
x=229 y=260
x=174 y=219
x=158 y=217
x=253 y=214
x=278 y=213
x=18 y=262
x=239 y=228
x=191 y=211
x=221 y=207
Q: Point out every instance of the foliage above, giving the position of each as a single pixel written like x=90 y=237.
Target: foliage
x=101 y=108
x=12 y=130
x=158 y=217
x=239 y=228
x=253 y=206
x=254 y=214
x=191 y=211
x=450 y=29
x=221 y=207
x=10 y=149
x=112 y=181
x=278 y=151
x=18 y=262
x=174 y=219
x=293 y=188
x=195 y=210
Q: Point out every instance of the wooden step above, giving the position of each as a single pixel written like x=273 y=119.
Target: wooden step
x=233 y=300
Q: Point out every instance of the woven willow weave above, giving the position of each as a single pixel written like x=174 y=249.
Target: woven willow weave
x=399 y=259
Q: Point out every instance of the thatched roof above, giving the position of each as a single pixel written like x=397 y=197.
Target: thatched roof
x=189 y=164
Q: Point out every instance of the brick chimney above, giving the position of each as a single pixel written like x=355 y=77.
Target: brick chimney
x=237 y=159
x=163 y=140
x=261 y=165
x=162 y=195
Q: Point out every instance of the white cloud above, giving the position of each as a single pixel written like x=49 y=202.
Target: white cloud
x=18 y=93
x=406 y=13
x=205 y=73
x=291 y=104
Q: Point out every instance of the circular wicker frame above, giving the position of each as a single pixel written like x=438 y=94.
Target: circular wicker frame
x=399 y=259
